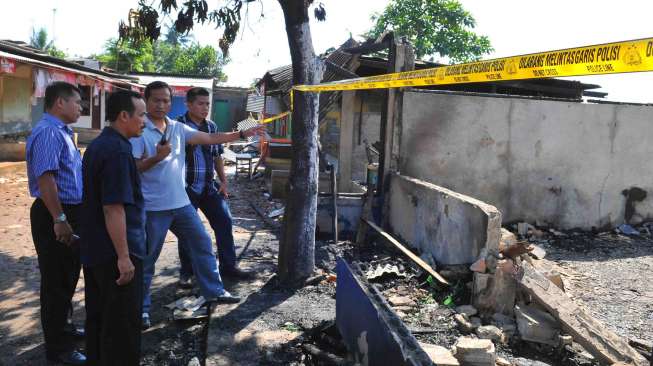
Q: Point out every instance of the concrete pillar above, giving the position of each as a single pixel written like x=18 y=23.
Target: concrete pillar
x=346 y=146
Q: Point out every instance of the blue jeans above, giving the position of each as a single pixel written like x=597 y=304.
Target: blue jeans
x=216 y=209
x=185 y=223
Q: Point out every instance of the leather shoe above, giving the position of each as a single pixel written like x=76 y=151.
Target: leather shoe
x=73 y=330
x=69 y=358
x=236 y=274
x=185 y=283
x=226 y=298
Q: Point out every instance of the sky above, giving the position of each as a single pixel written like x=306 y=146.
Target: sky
x=515 y=27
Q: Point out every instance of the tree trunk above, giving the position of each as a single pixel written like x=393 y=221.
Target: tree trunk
x=297 y=246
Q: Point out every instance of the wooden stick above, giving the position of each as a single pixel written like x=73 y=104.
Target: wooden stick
x=407 y=252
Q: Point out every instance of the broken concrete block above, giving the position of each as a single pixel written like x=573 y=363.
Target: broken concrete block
x=489 y=332
x=507 y=239
x=475 y=352
x=464 y=325
x=566 y=340
x=427 y=314
x=478 y=266
x=538 y=252
x=439 y=355
x=547 y=270
x=494 y=293
x=516 y=250
x=536 y=325
x=401 y=301
x=476 y=322
x=500 y=361
x=523 y=228
x=525 y=362
x=402 y=308
x=467 y=310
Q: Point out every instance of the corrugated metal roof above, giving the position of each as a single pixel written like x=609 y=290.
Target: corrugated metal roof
x=20 y=49
x=280 y=78
x=255 y=103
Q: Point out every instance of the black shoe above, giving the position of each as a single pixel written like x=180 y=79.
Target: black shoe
x=236 y=274
x=73 y=330
x=69 y=358
x=186 y=283
x=226 y=298
x=145 y=321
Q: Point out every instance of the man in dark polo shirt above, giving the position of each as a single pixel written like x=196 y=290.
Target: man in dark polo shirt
x=113 y=236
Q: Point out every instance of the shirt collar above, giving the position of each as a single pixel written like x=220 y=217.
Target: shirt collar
x=189 y=120
x=112 y=132
x=150 y=125
x=57 y=122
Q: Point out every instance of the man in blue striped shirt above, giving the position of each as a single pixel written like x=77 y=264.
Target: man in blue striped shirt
x=54 y=172
x=204 y=192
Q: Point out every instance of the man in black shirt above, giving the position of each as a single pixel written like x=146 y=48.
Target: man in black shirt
x=113 y=236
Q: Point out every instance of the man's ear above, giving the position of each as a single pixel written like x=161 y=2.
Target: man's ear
x=60 y=102
x=123 y=116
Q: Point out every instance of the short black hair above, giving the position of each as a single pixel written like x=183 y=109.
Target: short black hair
x=121 y=100
x=155 y=85
x=193 y=93
x=59 y=89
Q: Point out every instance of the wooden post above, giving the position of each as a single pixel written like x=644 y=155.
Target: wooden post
x=334 y=195
x=402 y=59
x=346 y=145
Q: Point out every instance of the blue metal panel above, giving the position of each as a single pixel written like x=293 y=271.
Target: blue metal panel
x=371 y=330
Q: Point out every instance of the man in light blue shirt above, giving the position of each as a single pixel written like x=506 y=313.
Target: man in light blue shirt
x=160 y=155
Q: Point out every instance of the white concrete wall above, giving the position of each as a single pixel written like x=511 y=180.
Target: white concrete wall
x=558 y=162
x=452 y=227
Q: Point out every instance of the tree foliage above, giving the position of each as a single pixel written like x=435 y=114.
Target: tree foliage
x=175 y=54
x=434 y=27
x=39 y=39
x=128 y=55
x=178 y=54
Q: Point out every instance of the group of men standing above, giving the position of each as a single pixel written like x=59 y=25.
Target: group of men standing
x=143 y=175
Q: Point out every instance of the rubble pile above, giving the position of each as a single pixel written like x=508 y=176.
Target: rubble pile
x=492 y=314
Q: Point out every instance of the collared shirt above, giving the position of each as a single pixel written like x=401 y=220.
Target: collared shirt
x=50 y=148
x=164 y=184
x=111 y=177
x=199 y=158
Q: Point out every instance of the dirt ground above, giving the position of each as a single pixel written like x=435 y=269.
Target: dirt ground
x=609 y=274
x=262 y=329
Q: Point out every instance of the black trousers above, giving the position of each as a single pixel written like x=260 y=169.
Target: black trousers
x=113 y=315
x=59 y=265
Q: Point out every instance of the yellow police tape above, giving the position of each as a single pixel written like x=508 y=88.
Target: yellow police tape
x=274 y=118
x=608 y=58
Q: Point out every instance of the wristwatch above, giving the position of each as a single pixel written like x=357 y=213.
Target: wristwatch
x=59 y=219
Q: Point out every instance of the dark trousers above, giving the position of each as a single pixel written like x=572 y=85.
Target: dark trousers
x=216 y=209
x=113 y=315
x=59 y=265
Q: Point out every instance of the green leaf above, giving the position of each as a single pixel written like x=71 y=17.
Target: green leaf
x=448 y=301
